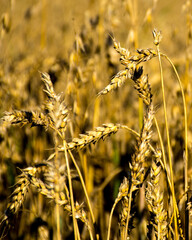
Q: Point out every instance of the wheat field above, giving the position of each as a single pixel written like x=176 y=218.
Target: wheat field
x=95 y=119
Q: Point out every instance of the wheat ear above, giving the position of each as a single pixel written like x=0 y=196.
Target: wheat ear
x=131 y=62
x=154 y=198
x=19 y=194
x=92 y=136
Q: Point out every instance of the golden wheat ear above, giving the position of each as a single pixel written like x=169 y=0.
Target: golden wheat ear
x=27 y=117
x=19 y=194
x=91 y=137
x=155 y=201
x=117 y=81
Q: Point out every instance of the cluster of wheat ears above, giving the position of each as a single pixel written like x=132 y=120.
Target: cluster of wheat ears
x=148 y=168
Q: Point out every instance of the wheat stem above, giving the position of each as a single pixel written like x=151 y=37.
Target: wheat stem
x=83 y=185
x=186 y=137
x=110 y=219
x=169 y=144
x=185 y=120
x=71 y=192
x=57 y=189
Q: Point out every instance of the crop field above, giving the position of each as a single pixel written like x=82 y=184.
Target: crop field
x=95 y=119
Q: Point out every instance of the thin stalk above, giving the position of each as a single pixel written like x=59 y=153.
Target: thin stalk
x=56 y=187
x=110 y=219
x=164 y=167
x=186 y=141
x=185 y=120
x=163 y=164
x=71 y=193
x=86 y=194
x=185 y=117
x=169 y=145
x=83 y=185
x=130 y=129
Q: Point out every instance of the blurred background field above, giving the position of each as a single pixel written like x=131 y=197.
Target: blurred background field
x=71 y=41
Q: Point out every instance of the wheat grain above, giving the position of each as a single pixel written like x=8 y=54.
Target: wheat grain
x=27 y=117
x=117 y=81
x=131 y=70
x=154 y=198
x=19 y=194
x=92 y=136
